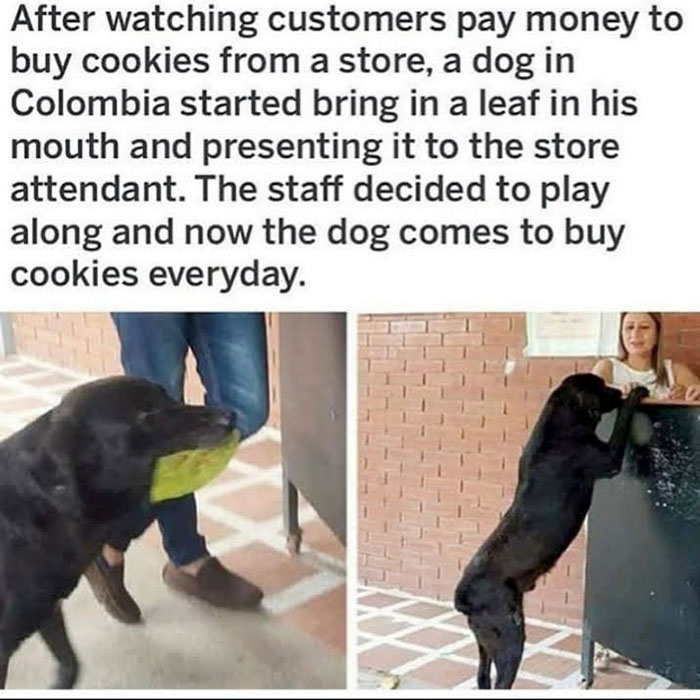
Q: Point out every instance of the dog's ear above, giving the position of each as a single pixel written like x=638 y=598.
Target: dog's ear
x=99 y=461
x=572 y=403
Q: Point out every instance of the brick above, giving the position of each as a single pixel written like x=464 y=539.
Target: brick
x=492 y=322
x=401 y=580
x=486 y=353
x=443 y=433
x=383 y=440
x=470 y=340
x=472 y=368
x=375 y=353
x=403 y=404
x=423 y=392
x=424 y=366
x=445 y=352
x=441 y=458
x=446 y=379
x=441 y=483
x=385 y=390
x=384 y=339
x=402 y=353
x=406 y=378
x=468 y=392
x=461 y=525
x=385 y=417
x=422 y=339
x=372 y=326
x=386 y=366
x=439 y=406
x=514 y=339
x=482 y=488
x=452 y=325
x=408 y=326
x=420 y=418
x=368 y=402
x=444 y=537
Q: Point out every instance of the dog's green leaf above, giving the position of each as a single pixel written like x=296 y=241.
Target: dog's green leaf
x=184 y=472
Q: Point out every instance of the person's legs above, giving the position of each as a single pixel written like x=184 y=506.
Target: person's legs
x=231 y=354
x=154 y=347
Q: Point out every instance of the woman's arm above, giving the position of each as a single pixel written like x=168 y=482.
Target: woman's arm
x=604 y=369
x=686 y=378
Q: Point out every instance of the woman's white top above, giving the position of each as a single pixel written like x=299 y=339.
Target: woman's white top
x=624 y=374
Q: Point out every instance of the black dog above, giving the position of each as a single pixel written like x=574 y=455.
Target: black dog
x=557 y=471
x=64 y=480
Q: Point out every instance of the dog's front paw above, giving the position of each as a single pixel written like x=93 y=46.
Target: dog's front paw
x=639 y=393
x=67 y=677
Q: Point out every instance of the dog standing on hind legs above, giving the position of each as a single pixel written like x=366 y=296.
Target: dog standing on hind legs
x=557 y=471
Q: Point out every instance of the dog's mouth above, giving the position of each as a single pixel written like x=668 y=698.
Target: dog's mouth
x=186 y=428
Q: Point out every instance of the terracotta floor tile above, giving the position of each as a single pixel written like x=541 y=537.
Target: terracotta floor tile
x=386 y=657
x=471 y=651
x=549 y=665
x=382 y=625
x=261 y=454
x=269 y=569
x=317 y=535
x=379 y=600
x=324 y=618
x=616 y=678
x=444 y=673
x=525 y=684
x=457 y=620
x=260 y=502
x=432 y=638
x=536 y=633
x=228 y=476
x=571 y=643
x=211 y=529
x=424 y=611
x=22 y=404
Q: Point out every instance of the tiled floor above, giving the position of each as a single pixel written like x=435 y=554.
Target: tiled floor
x=420 y=643
x=240 y=513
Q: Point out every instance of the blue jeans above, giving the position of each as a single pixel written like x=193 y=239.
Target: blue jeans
x=231 y=354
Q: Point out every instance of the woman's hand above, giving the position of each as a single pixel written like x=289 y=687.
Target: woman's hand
x=678 y=392
x=692 y=393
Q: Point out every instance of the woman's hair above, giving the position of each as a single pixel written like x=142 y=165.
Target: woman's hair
x=657 y=355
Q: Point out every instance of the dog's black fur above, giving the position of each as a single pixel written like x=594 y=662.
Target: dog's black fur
x=557 y=471
x=64 y=480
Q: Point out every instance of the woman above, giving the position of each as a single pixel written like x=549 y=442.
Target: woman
x=642 y=361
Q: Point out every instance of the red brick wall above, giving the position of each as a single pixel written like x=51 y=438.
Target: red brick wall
x=440 y=432
x=88 y=342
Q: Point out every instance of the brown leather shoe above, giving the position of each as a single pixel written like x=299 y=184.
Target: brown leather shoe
x=107 y=583
x=214 y=584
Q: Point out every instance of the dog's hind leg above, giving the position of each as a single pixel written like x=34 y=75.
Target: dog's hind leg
x=53 y=632
x=510 y=652
x=483 y=676
x=3 y=669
